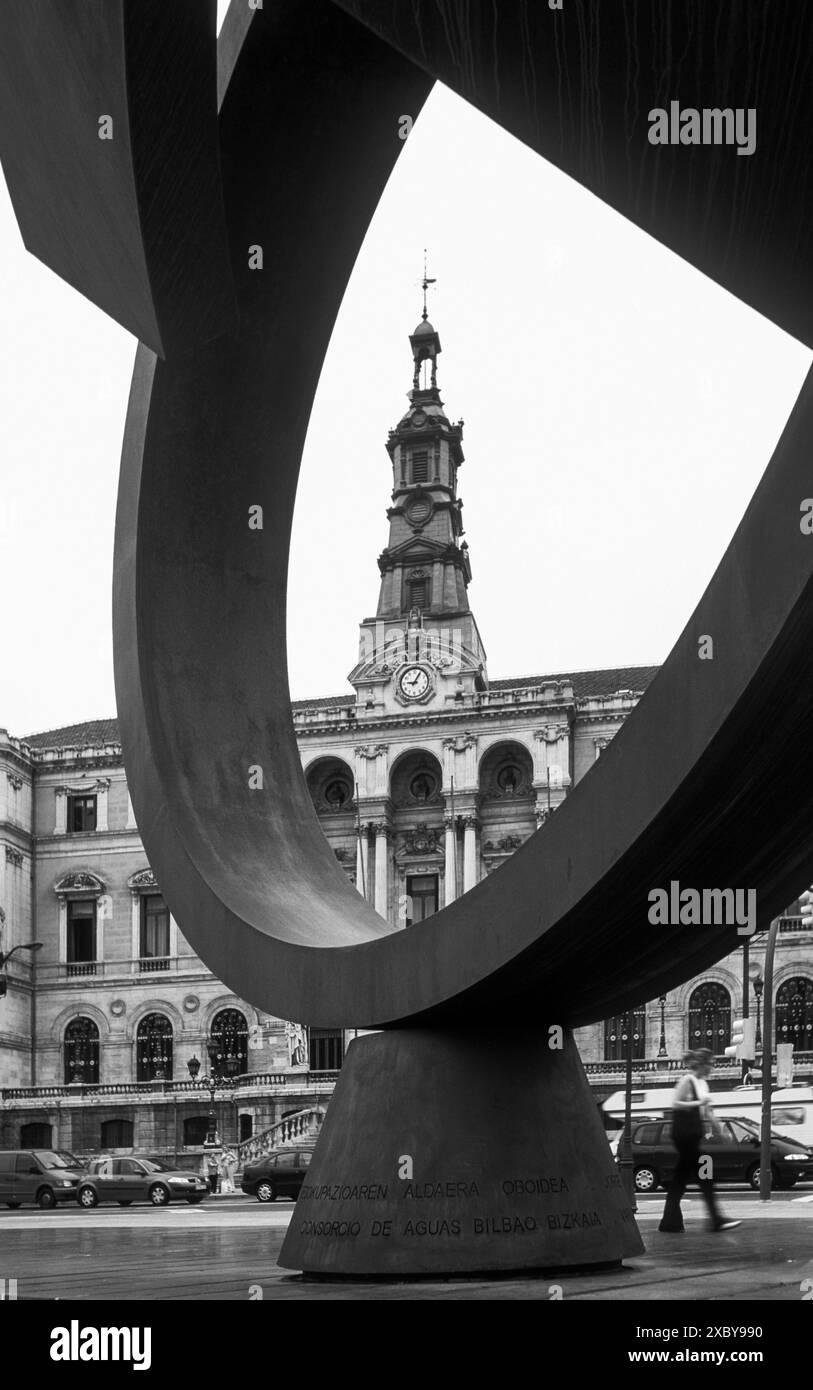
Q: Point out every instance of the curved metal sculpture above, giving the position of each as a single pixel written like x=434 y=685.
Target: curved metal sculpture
x=200 y=632
x=704 y=784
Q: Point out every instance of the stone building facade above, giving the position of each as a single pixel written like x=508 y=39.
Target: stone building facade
x=426 y=776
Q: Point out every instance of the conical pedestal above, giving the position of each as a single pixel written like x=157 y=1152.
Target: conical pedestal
x=460 y=1153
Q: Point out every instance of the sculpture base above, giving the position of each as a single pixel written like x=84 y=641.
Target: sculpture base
x=460 y=1153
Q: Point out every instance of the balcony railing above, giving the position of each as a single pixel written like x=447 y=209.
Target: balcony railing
x=647 y=1070
x=55 y=971
x=793 y=924
x=237 y=1085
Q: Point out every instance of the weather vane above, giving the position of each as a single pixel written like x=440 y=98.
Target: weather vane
x=425 y=283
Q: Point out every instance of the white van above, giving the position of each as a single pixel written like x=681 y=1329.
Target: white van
x=648 y=1103
x=791 y=1108
x=792 y=1113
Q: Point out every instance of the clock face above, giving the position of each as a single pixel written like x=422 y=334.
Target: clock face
x=413 y=682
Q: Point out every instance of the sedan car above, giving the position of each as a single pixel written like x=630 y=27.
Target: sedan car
x=277 y=1174
x=732 y=1145
x=126 y=1180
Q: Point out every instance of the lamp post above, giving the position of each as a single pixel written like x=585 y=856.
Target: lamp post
x=625 y=1146
x=662 y=1052
x=212 y=1081
x=767 y=1063
x=759 y=985
x=5 y=957
x=24 y=946
x=209 y=1082
x=746 y=1000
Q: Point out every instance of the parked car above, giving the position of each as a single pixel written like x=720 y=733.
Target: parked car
x=126 y=1180
x=277 y=1174
x=733 y=1146
x=616 y=1135
x=44 y=1176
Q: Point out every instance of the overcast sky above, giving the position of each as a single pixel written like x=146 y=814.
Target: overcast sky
x=619 y=409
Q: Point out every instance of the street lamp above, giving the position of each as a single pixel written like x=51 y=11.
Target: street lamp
x=625 y=1163
x=6 y=957
x=209 y=1081
x=24 y=946
x=213 y=1081
x=662 y=1052
x=759 y=984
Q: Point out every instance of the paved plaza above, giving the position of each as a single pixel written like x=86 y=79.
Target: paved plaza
x=227 y=1249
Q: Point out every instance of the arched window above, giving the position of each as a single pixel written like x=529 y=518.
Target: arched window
x=615 y=1036
x=195 y=1129
x=330 y=783
x=81 y=1050
x=35 y=1136
x=794 y=1013
x=710 y=1017
x=117 y=1134
x=230 y=1037
x=154 y=1048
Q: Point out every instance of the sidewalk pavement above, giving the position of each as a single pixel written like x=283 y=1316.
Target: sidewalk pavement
x=227 y=1248
x=768 y=1257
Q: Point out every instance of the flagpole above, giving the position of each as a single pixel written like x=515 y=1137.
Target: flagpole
x=361 y=846
x=454 y=831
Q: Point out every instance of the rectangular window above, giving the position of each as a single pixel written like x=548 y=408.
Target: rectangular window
x=81 y=813
x=420 y=466
x=154 y=943
x=326 y=1050
x=423 y=890
x=82 y=937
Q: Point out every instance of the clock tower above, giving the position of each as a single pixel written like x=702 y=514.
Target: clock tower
x=422 y=648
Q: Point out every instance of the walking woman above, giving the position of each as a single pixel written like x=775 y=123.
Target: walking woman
x=691 y=1118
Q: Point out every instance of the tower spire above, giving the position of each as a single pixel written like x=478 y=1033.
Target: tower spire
x=425 y=342
x=426 y=282
x=423 y=644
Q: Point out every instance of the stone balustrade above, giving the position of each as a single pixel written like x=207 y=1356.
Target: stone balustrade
x=293 y=1129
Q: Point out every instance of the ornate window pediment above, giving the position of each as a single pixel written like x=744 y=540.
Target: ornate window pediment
x=81 y=882
x=142 y=881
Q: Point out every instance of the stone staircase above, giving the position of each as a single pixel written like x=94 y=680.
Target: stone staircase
x=300 y=1128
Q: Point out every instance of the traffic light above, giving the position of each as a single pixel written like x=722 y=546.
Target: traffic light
x=3 y=986
x=806 y=901
x=743 y=1040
